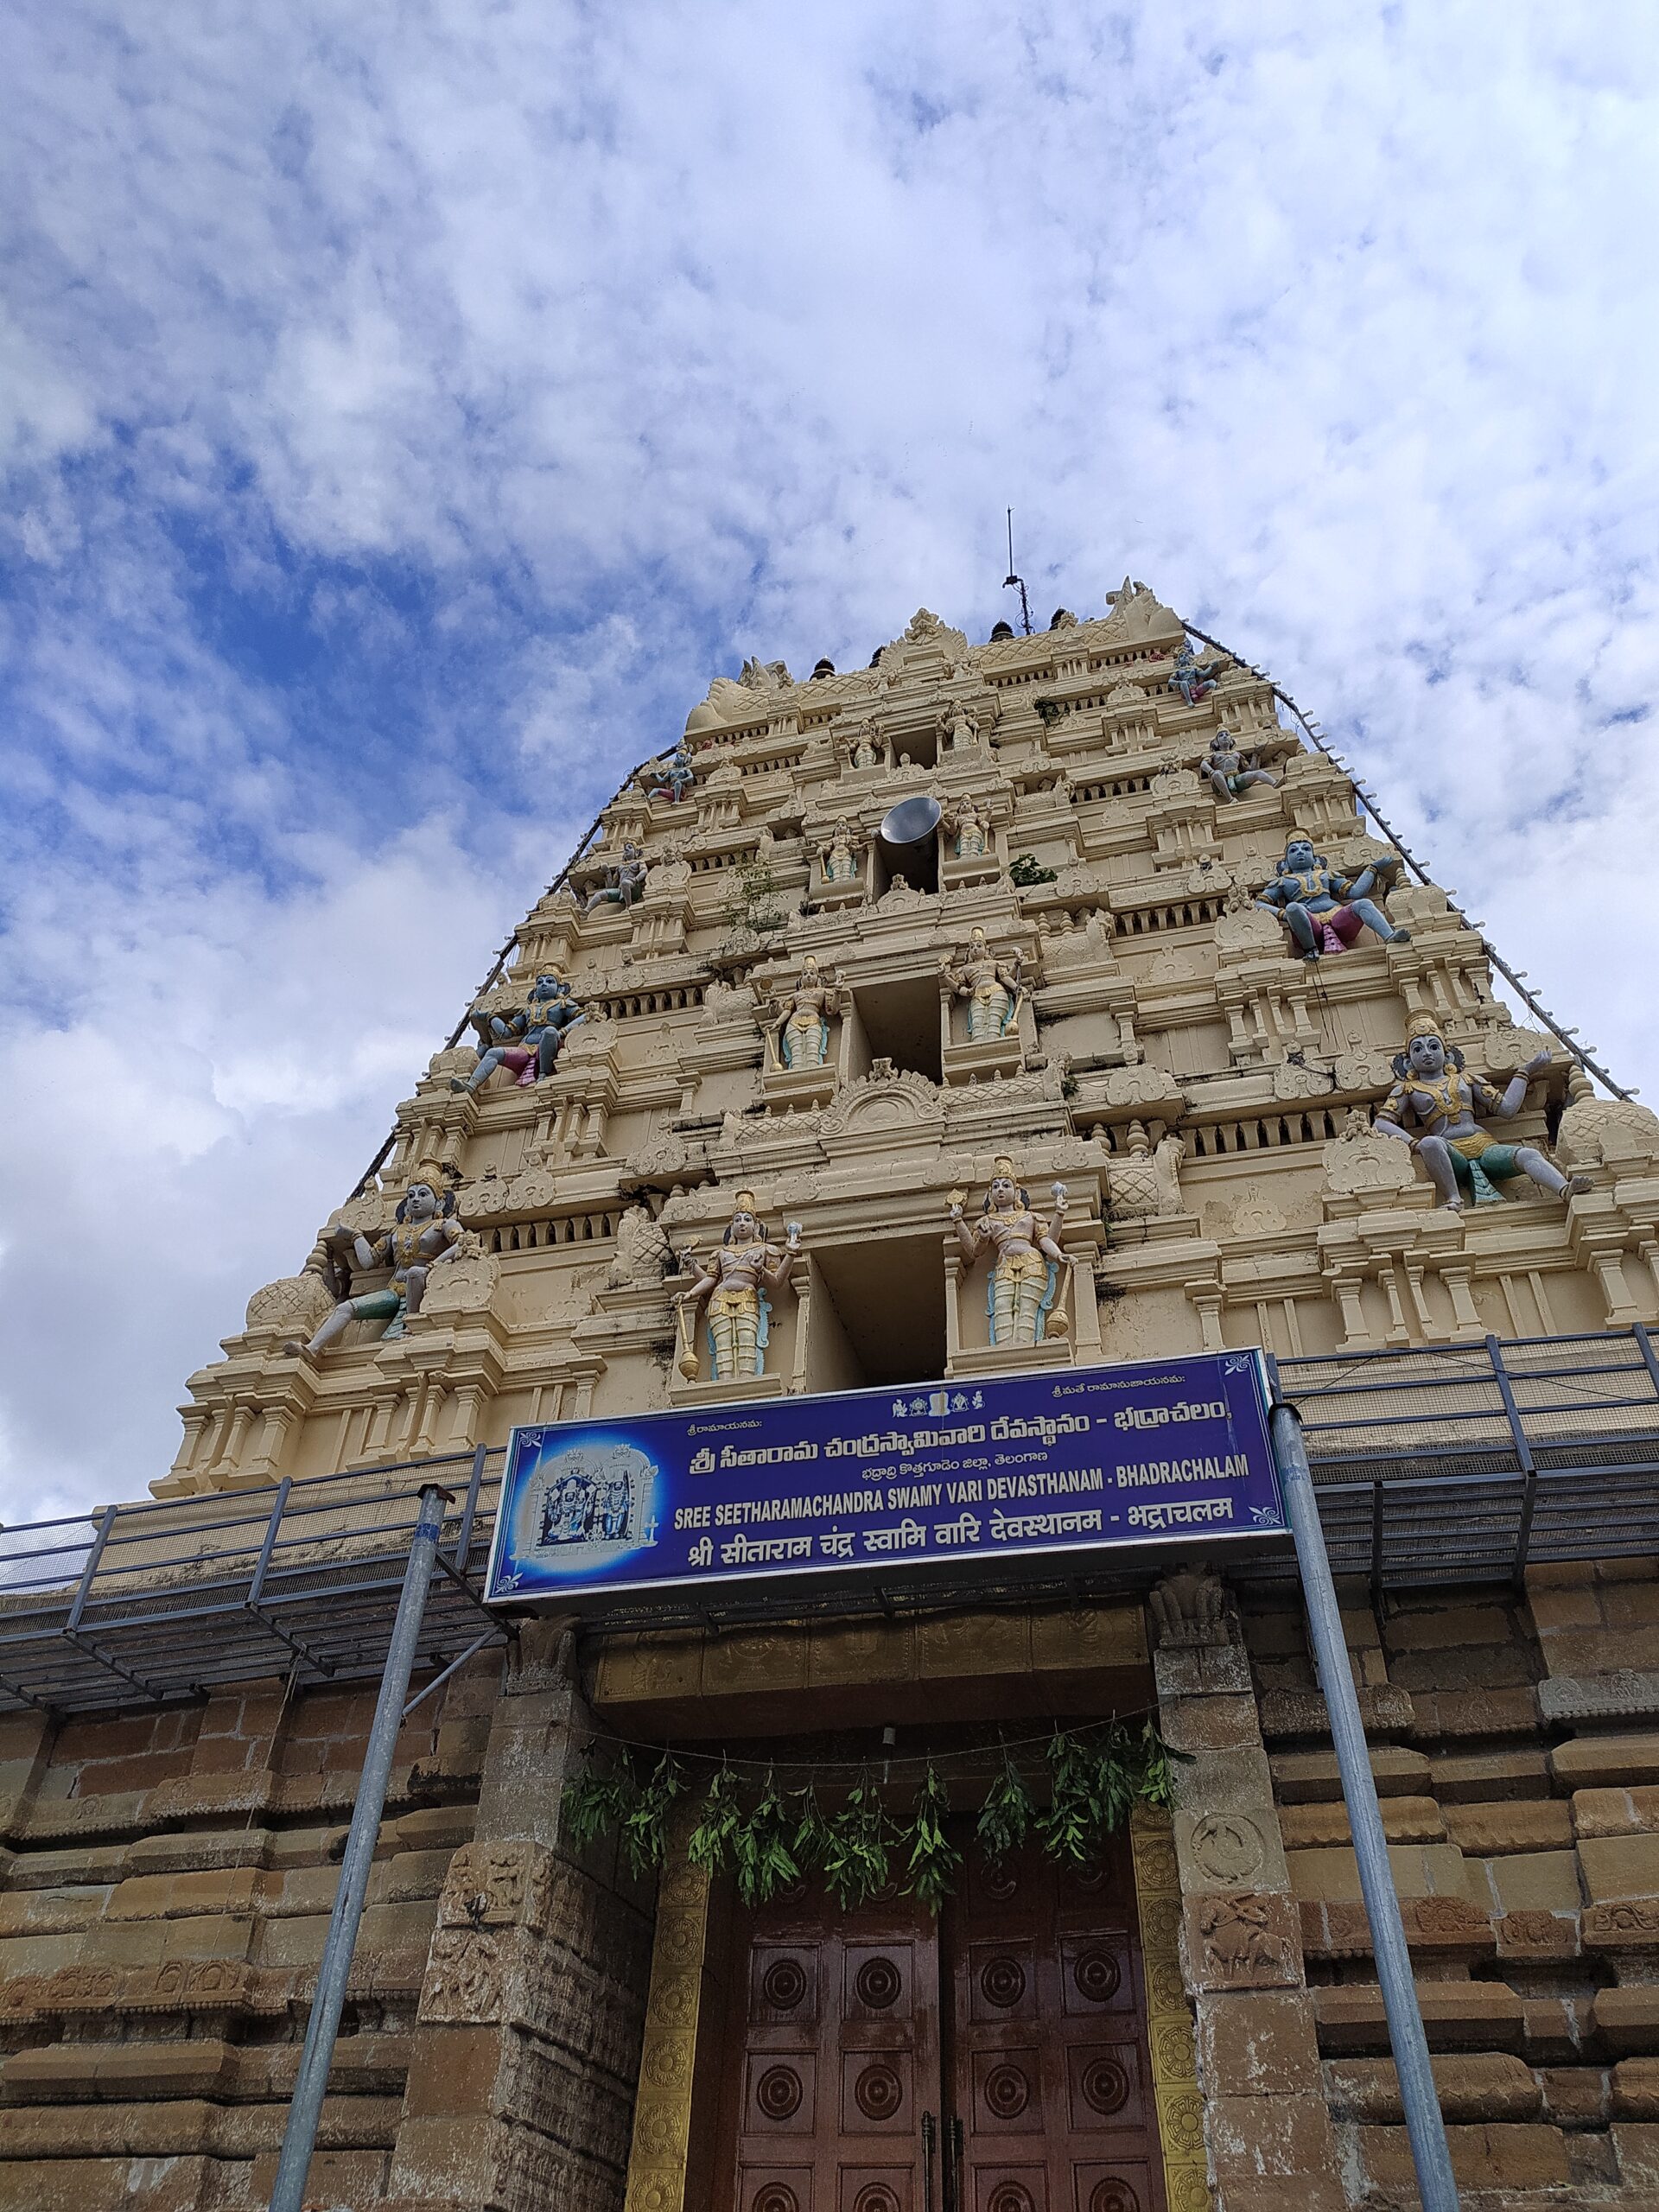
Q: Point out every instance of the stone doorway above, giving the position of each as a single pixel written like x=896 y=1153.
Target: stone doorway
x=994 y=2060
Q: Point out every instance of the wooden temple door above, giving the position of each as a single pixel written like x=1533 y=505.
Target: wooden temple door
x=995 y=2060
x=831 y=2058
x=1050 y=2106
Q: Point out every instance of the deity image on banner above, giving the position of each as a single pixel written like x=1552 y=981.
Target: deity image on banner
x=1432 y=1108
x=1027 y=1257
x=738 y=1280
x=586 y=1505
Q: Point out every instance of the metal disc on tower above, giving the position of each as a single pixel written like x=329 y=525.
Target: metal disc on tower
x=910 y=822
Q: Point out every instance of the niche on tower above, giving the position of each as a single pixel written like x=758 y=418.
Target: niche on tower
x=897 y=1020
x=907 y=845
x=877 y=1314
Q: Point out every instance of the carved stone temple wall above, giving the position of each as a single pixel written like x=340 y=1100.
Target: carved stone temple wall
x=529 y=2027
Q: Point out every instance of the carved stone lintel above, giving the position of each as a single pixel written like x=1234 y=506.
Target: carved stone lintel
x=1190 y=1607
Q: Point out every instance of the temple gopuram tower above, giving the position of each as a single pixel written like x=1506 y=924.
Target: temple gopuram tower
x=1069 y=930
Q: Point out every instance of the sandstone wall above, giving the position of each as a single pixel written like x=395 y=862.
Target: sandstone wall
x=1515 y=1749
x=164 y=1894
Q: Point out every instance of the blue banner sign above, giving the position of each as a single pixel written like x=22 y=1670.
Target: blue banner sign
x=868 y=1483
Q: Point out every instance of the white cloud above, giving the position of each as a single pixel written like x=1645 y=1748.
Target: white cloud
x=520 y=367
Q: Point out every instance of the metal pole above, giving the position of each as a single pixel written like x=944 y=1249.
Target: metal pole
x=300 y=2136
x=1424 y=2124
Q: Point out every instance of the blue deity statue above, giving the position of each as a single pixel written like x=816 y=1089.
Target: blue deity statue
x=1193 y=679
x=1323 y=910
x=527 y=1038
x=671 y=779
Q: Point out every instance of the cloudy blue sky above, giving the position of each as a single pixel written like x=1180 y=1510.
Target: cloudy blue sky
x=405 y=410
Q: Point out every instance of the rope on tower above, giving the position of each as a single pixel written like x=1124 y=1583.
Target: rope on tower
x=502 y=957
x=1510 y=975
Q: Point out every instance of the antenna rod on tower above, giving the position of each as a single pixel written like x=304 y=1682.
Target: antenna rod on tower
x=1011 y=579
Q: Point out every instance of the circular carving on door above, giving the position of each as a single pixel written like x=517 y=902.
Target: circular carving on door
x=877 y=1984
x=1097 y=1975
x=1000 y=1882
x=777 y=2092
x=784 y=1984
x=1105 y=2085
x=1007 y=2091
x=776 y=2196
x=875 y=2197
x=1113 y=2195
x=1086 y=1877
x=1008 y=2196
x=879 y=2092
x=1002 y=1980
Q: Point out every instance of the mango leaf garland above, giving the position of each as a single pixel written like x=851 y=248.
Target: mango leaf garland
x=858 y=1846
x=712 y=1843
x=762 y=1856
x=933 y=1858
x=597 y=1803
x=1096 y=1776
x=1155 y=1775
x=1006 y=1816
x=644 y=1825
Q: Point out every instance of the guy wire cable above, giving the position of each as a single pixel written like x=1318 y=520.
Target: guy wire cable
x=1512 y=976
x=501 y=957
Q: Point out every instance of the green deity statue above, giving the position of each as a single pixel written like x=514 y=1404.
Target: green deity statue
x=1432 y=1108
x=424 y=1233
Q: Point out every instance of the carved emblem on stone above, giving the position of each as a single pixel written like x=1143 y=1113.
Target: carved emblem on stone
x=1247 y=1941
x=1226 y=1846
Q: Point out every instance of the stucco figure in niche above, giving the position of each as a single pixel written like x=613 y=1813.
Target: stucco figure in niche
x=862 y=747
x=738 y=1282
x=970 y=828
x=799 y=1037
x=838 y=858
x=1325 y=912
x=526 y=1039
x=670 y=778
x=1193 y=679
x=1026 y=1256
x=625 y=882
x=959 y=725
x=423 y=1235
x=1432 y=1108
x=1227 y=771
x=990 y=983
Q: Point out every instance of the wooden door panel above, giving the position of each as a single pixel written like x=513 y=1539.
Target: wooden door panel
x=1047 y=2056
x=832 y=2055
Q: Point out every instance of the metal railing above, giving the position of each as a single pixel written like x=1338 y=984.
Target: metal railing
x=159 y=1604
x=1470 y=1463
x=1432 y=1464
